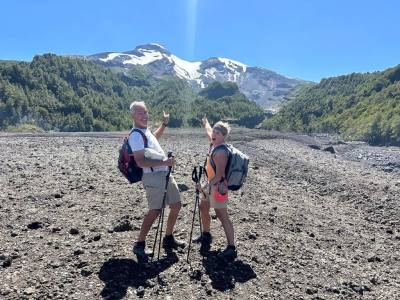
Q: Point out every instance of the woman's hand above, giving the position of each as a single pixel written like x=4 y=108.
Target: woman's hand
x=198 y=187
x=205 y=121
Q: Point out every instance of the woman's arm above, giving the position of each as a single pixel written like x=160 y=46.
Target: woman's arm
x=220 y=159
x=207 y=127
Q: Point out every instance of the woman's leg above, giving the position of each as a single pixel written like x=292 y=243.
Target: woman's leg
x=205 y=214
x=222 y=215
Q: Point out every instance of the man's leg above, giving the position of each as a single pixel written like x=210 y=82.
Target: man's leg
x=152 y=183
x=147 y=223
x=173 y=199
x=169 y=241
x=155 y=187
x=140 y=246
x=173 y=215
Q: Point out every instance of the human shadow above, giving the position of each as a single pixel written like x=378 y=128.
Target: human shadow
x=224 y=275
x=120 y=273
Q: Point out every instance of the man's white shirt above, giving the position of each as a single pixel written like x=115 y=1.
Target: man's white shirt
x=136 y=143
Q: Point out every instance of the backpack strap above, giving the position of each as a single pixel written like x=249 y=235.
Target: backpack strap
x=145 y=141
x=205 y=161
x=222 y=146
x=143 y=136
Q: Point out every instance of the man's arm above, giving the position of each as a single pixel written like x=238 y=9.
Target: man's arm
x=160 y=130
x=207 y=127
x=144 y=162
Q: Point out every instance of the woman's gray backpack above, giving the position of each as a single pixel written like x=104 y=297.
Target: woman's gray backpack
x=236 y=168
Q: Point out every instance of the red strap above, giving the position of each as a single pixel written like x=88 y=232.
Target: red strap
x=143 y=136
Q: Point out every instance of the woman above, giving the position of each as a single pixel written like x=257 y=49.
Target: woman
x=215 y=192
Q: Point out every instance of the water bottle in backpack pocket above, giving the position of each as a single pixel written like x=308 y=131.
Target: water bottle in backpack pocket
x=220 y=193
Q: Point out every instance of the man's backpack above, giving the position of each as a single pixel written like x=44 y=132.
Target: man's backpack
x=236 y=168
x=126 y=162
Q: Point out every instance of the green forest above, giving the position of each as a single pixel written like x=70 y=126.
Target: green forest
x=69 y=94
x=56 y=93
x=356 y=106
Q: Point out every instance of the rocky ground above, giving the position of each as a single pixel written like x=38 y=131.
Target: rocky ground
x=310 y=224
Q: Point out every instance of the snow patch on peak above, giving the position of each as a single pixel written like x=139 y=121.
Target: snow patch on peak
x=214 y=68
x=111 y=56
x=158 y=45
x=235 y=68
x=210 y=72
x=143 y=50
x=232 y=64
x=148 y=57
x=186 y=69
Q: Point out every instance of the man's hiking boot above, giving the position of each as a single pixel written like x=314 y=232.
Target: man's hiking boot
x=141 y=254
x=205 y=240
x=229 y=254
x=169 y=243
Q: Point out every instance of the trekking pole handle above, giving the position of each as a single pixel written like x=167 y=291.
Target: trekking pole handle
x=200 y=172
x=169 y=156
x=194 y=175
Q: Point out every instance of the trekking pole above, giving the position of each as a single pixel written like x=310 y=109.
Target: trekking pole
x=196 y=178
x=161 y=217
x=163 y=205
x=198 y=200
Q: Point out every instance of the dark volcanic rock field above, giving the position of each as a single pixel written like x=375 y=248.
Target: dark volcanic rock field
x=310 y=224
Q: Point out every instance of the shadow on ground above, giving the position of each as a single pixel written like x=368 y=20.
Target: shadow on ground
x=224 y=275
x=120 y=273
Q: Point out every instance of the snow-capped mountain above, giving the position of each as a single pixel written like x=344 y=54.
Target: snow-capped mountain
x=265 y=87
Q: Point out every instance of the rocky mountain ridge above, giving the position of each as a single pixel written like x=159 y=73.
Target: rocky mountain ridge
x=261 y=85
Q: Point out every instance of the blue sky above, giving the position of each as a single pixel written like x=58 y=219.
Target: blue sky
x=308 y=39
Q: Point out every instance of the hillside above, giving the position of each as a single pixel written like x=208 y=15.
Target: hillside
x=71 y=94
x=356 y=106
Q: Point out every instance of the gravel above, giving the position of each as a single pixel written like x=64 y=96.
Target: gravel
x=309 y=223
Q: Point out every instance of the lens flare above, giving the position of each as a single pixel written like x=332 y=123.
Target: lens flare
x=191 y=27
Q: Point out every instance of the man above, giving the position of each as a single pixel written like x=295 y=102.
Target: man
x=154 y=179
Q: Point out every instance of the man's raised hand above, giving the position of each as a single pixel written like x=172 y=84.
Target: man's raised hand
x=165 y=118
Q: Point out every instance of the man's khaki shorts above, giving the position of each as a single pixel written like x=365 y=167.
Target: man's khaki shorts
x=154 y=184
x=208 y=196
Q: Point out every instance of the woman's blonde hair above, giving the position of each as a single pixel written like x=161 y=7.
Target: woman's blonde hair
x=223 y=127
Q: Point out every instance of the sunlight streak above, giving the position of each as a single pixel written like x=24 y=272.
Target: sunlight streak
x=191 y=28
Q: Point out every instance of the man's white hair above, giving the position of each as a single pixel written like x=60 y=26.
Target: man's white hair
x=135 y=104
